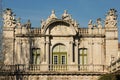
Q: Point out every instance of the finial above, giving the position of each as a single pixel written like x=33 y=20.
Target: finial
x=90 y=22
x=66 y=16
x=65 y=11
x=53 y=16
x=99 y=21
x=18 y=20
x=53 y=11
x=28 y=24
x=111 y=18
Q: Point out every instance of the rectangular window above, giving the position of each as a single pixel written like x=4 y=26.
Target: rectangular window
x=55 y=59
x=85 y=51
x=85 y=59
x=83 y=56
x=81 y=60
x=36 y=56
x=81 y=51
x=63 y=60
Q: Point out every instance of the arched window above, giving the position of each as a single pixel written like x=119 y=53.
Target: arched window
x=82 y=56
x=36 y=55
x=59 y=54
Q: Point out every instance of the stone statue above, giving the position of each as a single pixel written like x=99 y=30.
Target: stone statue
x=111 y=18
x=90 y=25
x=28 y=24
x=99 y=23
x=53 y=16
x=66 y=16
x=90 y=22
x=42 y=23
x=19 y=23
x=75 y=24
x=9 y=19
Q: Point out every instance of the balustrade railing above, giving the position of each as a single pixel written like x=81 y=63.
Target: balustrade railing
x=26 y=31
x=83 y=31
x=96 y=31
x=35 y=31
x=59 y=68
x=115 y=66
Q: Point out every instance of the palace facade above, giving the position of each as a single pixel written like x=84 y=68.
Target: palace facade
x=60 y=49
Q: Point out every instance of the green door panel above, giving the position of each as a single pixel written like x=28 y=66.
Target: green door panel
x=60 y=54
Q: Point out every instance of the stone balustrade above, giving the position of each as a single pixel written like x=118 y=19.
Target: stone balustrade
x=83 y=31
x=115 y=66
x=91 y=31
x=28 y=31
x=58 y=68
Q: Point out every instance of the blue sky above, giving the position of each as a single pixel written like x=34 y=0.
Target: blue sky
x=81 y=10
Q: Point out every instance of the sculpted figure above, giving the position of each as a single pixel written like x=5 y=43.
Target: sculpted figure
x=111 y=18
x=42 y=23
x=90 y=25
x=90 y=22
x=66 y=16
x=75 y=24
x=53 y=16
x=9 y=19
x=28 y=24
x=18 y=22
x=99 y=23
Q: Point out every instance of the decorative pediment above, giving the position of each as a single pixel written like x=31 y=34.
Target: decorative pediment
x=60 y=27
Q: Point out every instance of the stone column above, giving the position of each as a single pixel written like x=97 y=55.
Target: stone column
x=76 y=51
x=19 y=52
x=71 y=52
x=44 y=43
x=70 y=57
x=45 y=67
x=90 y=55
x=15 y=55
x=76 y=55
x=28 y=52
x=47 y=52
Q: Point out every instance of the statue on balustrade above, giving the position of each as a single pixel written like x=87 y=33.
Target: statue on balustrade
x=9 y=18
x=99 y=23
x=66 y=16
x=111 y=18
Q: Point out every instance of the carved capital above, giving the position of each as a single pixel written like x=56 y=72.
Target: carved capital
x=71 y=42
x=47 y=42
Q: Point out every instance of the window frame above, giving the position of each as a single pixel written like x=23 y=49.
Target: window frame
x=36 y=56
x=56 y=59
x=83 y=55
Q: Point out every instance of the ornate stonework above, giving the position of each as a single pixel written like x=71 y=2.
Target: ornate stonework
x=9 y=19
x=111 y=18
x=60 y=47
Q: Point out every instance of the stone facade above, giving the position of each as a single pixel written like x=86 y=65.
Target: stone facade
x=61 y=45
